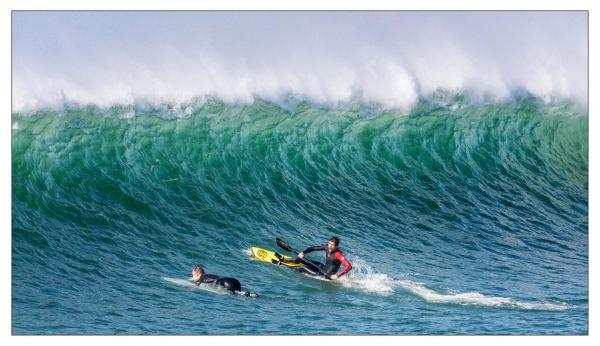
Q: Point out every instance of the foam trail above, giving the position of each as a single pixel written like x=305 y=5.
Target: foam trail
x=390 y=58
x=362 y=277
x=474 y=298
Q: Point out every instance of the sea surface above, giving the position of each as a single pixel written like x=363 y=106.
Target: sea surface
x=458 y=216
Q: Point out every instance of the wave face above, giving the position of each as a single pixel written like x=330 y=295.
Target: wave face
x=477 y=212
x=391 y=58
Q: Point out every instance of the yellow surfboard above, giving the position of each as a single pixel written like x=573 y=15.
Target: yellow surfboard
x=268 y=256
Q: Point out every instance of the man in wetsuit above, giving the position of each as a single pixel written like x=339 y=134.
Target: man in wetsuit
x=334 y=258
x=231 y=284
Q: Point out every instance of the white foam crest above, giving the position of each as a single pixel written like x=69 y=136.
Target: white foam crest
x=475 y=298
x=391 y=58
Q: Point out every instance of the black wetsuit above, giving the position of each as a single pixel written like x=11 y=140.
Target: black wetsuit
x=333 y=261
x=231 y=284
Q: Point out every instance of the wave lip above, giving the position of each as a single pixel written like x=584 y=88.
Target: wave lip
x=477 y=299
x=388 y=58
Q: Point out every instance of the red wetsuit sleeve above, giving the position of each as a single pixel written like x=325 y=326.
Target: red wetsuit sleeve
x=347 y=266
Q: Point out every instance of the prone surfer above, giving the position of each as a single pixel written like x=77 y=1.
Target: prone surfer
x=231 y=284
x=334 y=258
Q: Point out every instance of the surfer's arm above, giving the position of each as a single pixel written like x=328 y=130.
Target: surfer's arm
x=347 y=266
x=315 y=248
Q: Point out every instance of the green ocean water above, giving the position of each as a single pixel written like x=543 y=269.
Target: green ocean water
x=459 y=217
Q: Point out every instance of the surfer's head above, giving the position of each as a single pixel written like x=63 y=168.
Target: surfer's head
x=197 y=272
x=333 y=243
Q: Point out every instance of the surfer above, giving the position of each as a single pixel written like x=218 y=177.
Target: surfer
x=231 y=284
x=334 y=258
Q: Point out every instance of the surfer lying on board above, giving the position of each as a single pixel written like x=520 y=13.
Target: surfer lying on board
x=334 y=258
x=231 y=284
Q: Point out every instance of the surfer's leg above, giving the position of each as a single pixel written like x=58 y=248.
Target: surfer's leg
x=311 y=269
x=230 y=284
x=235 y=287
x=285 y=260
x=246 y=294
x=317 y=267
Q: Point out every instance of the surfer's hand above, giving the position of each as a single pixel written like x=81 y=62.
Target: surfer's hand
x=301 y=255
x=333 y=277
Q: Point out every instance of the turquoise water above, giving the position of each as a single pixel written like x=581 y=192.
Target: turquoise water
x=459 y=217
